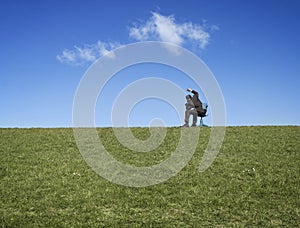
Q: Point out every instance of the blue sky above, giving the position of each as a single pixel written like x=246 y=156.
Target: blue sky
x=252 y=48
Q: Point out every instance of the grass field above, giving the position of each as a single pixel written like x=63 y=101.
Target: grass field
x=253 y=182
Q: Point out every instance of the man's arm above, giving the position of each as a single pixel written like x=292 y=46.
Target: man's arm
x=192 y=91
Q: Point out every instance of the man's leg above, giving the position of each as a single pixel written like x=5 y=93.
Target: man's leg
x=187 y=116
x=195 y=118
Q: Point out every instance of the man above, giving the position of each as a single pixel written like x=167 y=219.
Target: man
x=193 y=107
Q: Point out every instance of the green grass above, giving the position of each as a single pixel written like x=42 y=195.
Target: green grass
x=253 y=182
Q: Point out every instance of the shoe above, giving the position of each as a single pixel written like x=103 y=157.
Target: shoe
x=194 y=125
x=185 y=125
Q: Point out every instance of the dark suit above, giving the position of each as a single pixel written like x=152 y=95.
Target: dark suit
x=198 y=103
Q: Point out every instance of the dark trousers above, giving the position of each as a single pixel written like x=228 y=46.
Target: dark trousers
x=187 y=116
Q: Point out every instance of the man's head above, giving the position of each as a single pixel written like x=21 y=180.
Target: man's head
x=188 y=97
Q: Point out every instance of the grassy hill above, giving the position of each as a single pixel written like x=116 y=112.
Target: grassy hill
x=253 y=182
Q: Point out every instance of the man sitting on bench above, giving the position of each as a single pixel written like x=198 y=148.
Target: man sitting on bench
x=193 y=107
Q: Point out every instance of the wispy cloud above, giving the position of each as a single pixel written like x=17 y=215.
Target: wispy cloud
x=165 y=29
x=87 y=53
x=156 y=28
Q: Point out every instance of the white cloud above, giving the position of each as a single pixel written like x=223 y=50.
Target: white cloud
x=87 y=53
x=165 y=29
x=67 y=56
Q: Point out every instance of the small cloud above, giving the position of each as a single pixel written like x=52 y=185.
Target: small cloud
x=165 y=29
x=87 y=53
